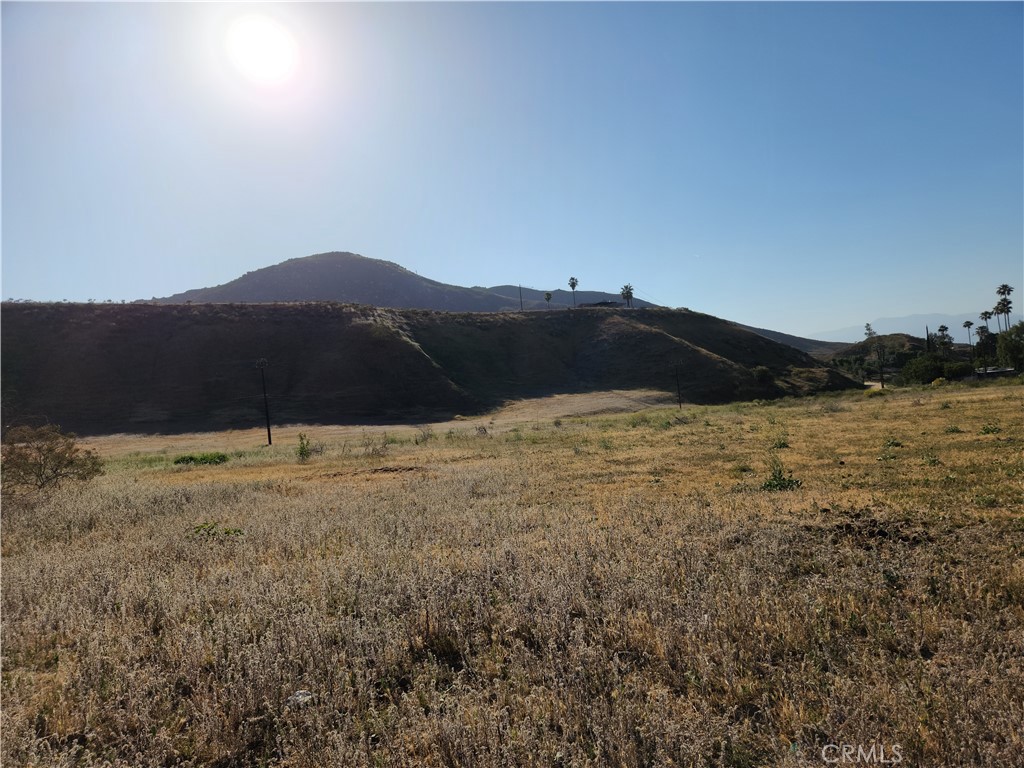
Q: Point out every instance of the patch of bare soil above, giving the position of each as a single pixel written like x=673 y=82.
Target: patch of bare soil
x=517 y=411
x=586 y=404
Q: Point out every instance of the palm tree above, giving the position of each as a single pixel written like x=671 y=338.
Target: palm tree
x=573 y=282
x=1004 y=307
x=985 y=317
x=1004 y=291
x=968 y=325
x=869 y=334
x=997 y=313
x=627 y=294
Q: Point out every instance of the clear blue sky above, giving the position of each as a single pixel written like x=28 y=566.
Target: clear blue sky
x=795 y=166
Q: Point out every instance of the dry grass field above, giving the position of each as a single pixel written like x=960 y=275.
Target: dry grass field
x=558 y=584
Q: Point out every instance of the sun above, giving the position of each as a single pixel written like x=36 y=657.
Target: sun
x=263 y=51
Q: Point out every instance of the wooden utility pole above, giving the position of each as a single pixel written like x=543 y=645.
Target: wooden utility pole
x=262 y=364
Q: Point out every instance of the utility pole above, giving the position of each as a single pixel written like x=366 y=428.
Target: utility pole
x=520 y=298
x=262 y=364
x=679 y=388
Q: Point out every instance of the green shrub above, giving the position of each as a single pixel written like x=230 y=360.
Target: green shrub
x=956 y=371
x=303 y=451
x=779 y=479
x=213 y=457
x=922 y=370
x=1010 y=347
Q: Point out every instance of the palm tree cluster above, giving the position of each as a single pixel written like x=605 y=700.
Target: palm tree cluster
x=1003 y=307
x=1001 y=312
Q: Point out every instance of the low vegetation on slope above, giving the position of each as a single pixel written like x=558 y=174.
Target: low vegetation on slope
x=137 y=368
x=625 y=590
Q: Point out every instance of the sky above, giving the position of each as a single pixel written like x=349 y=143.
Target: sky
x=794 y=166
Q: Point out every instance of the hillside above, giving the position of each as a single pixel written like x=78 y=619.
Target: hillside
x=153 y=368
x=893 y=343
x=350 y=278
x=821 y=349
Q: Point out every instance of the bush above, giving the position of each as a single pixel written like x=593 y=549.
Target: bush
x=922 y=370
x=1010 y=347
x=955 y=371
x=778 y=478
x=303 y=450
x=42 y=458
x=214 y=457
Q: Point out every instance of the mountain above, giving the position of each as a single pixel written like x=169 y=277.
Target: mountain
x=351 y=278
x=912 y=325
x=107 y=368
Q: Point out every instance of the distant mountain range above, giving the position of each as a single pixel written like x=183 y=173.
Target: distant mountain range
x=912 y=325
x=351 y=278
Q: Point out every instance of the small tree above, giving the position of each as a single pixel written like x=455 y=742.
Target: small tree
x=869 y=334
x=943 y=341
x=984 y=345
x=573 y=282
x=1011 y=347
x=303 y=450
x=42 y=458
x=547 y=297
x=627 y=294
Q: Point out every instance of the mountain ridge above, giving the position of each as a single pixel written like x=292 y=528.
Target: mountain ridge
x=347 y=277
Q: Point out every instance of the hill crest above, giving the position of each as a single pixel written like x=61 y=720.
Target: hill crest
x=351 y=278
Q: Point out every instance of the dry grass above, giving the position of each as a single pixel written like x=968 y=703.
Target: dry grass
x=607 y=590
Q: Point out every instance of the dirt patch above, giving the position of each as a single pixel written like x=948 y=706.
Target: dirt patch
x=513 y=412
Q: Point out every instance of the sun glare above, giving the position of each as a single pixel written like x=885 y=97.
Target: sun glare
x=262 y=50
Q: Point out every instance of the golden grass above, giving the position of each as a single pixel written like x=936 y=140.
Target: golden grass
x=535 y=588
